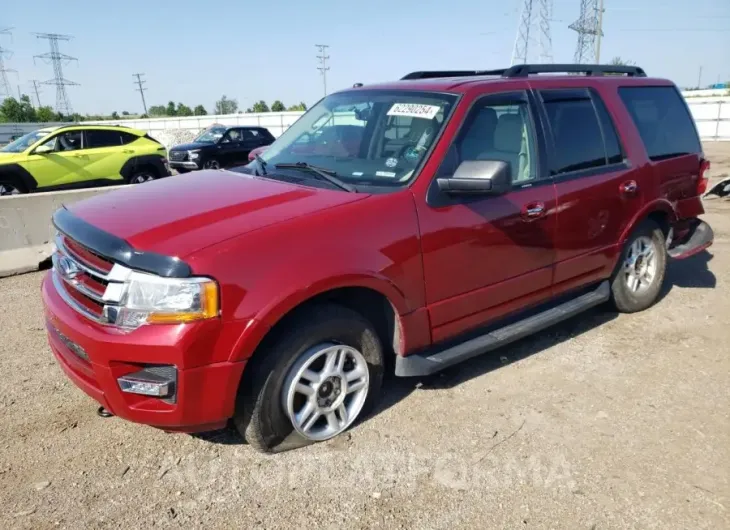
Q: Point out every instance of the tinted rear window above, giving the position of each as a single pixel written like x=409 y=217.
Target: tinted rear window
x=663 y=121
x=105 y=138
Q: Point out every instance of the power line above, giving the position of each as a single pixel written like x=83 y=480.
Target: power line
x=5 y=90
x=323 y=68
x=58 y=59
x=141 y=90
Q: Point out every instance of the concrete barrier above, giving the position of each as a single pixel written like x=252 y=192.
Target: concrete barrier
x=26 y=231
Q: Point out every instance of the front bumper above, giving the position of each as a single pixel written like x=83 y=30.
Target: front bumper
x=94 y=356
x=185 y=165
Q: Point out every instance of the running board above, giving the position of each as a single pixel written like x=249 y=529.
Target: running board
x=425 y=364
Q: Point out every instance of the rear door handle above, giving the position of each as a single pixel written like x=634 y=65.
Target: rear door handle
x=533 y=210
x=630 y=187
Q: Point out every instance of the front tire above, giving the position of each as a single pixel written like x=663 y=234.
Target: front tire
x=10 y=187
x=211 y=164
x=316 y=380
x=639 y=275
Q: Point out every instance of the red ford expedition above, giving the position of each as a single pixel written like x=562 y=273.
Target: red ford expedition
x=406 y=226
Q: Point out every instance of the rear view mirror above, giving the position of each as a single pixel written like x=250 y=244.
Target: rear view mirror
x=43 y=150
x=488 y=177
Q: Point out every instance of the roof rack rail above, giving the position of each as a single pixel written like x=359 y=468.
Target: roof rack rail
x=451 y=73
x=523 y=70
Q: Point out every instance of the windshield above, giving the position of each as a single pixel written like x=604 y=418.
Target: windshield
x=211 y=136
x=371 y=137
x=24 y=142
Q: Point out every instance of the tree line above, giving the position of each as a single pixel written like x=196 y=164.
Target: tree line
x=224 y=105
x=22 y=111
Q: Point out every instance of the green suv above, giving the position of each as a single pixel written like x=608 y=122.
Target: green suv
x=80 y=156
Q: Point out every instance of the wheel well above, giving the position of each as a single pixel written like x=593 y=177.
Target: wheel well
x=145 y=166
x=370 y=304
x=661 y=218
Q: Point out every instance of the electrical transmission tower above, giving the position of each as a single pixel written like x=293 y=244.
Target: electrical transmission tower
x=5 y=90
x=37 y=91
x=521 y=51
x=590 y=30
x=58 y=59
x=141 y=90
x=323 y=57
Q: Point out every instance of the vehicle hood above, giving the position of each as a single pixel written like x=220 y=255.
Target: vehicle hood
x=180 y=215
x=190 y=146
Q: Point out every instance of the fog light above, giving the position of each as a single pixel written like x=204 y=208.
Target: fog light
x=157 y=381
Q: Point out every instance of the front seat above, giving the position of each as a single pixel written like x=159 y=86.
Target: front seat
x=507 y=143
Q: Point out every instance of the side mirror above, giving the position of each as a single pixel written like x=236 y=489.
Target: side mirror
x=486 y=177
x=43 y=150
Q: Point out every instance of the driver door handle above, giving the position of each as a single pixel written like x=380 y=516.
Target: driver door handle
x=533 y=210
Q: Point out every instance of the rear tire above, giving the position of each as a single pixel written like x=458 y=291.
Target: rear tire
x=640 y=272
x=269 y=391
x=143 y=175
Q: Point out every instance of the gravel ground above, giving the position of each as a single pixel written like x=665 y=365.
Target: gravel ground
x=607 y=421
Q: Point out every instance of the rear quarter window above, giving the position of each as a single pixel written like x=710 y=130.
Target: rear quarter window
x=663 y=121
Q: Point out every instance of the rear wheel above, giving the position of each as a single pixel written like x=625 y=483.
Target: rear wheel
x=639 y=275
x=316 y=380
x=143 y=175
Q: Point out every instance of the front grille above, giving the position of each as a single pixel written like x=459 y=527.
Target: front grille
x=178 y=156
x=81 y=276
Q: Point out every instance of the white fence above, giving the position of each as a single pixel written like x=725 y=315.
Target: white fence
x=275 y=122
x=712 y=115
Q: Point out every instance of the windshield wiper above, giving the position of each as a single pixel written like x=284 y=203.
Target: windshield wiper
x=324 y=174
x=261 y=162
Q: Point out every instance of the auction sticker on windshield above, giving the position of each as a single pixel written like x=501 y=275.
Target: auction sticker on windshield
x=414 y=110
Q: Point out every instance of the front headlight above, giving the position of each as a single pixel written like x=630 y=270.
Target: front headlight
x=194 y=155
x=149 y=299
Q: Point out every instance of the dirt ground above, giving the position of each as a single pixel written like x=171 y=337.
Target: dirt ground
x=607 y=421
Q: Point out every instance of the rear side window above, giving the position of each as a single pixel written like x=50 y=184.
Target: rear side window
x=663 y=121
x=266 y=134
x=101 y=138
x=577 y=131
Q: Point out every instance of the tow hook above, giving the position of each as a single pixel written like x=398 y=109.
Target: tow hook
x=103 y=413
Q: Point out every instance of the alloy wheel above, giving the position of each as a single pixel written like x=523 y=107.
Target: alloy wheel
x=640 y=265
x=325 y=390
x=8 y=189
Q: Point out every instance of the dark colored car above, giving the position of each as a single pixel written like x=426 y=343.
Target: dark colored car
x=469 y=210
x=219 y=147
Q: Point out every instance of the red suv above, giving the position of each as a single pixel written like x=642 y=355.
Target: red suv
x=460 y=212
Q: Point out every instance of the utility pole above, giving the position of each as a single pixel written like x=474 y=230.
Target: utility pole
x=5 y=90
x=141 y=90
x=37 y=92
x=323 y=57
x=699 y=79
x=58 y=59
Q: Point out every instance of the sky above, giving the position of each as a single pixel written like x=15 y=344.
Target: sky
x=195 y=51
